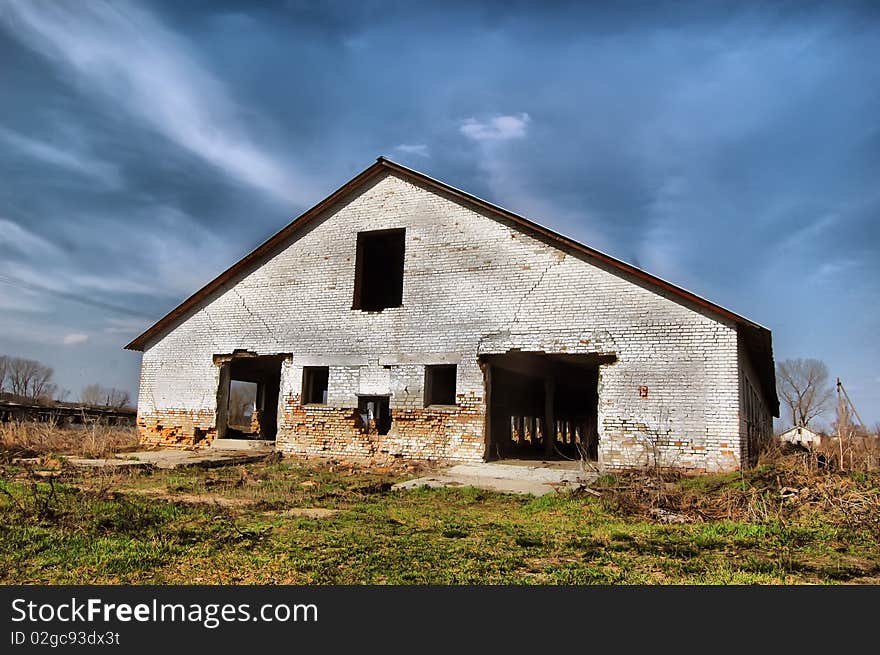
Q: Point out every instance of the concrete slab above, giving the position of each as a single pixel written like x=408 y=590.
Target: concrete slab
x=243 y=444
x=206 y=458
x=507 y=478
x=172 y=459
x=531 y=471
x=88 y=462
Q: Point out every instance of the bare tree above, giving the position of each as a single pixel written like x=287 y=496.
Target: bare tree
x=4 y=369
x=117 y=398
x=804 y=387
x=29 y=379
x=92 y=395
x=95 y=395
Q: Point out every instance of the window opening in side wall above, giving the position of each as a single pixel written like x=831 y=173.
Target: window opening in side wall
x=440 y=384
x=315 y=383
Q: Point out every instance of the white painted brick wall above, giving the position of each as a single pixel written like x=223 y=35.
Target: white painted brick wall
x=472 y=285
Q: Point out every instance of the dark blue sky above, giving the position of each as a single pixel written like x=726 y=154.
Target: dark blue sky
x=732 y=149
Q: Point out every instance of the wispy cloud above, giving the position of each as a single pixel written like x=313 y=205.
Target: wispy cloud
x=419 y=149
x=128 y=326
x=827 y=270
x=124 y=53
x=811 y=232
x=14 y=299
x=497 y=128
x=148 y=262
x=177 y=265
x=22 y=240
x=81 y=163
x=58 y=334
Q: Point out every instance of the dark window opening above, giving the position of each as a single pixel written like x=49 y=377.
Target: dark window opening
x=378 y=279
x=440 y=385
x=315 y=380
x=374 y=414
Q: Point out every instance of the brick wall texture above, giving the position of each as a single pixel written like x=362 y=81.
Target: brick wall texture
x=474 y=284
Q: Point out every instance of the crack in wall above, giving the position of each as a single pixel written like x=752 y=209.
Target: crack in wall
x=525 y=296
x=257 y=316
x=214 y=343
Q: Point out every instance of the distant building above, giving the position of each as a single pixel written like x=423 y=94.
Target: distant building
x=801 y=435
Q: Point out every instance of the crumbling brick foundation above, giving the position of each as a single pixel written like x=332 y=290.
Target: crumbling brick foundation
x=176 y=428
x=453 y=434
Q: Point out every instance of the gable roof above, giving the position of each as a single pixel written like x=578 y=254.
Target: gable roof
x=757 y=338
x=800 y=430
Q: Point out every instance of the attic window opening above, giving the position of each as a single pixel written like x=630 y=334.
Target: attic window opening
x=315 y=383
x=440 y=385
x=378 y=279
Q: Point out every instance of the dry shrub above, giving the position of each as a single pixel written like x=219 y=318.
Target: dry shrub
x=28 y=439
x=860 y=453
x=780 y=488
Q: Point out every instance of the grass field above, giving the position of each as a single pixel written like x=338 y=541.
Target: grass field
x=297 y=522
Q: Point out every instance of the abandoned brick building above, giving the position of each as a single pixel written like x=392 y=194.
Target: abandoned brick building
x=403 y=317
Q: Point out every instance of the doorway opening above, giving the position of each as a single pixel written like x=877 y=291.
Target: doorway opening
x=542 y=406
x=247 y=401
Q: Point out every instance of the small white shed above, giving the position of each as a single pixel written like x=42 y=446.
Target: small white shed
x=801 y=435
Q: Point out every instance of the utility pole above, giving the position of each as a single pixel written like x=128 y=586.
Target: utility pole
x=850 y=406
x=845 y=407
x=841 y=421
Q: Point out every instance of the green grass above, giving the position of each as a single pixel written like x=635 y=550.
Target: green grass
x=170 y=527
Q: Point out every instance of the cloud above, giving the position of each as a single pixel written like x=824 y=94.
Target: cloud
x=22 y=301
x=50 y=154
x=23 y=240
x=75 y=338
x=127 y=326
x=810 y=233
x=127 y=56
x=826 y=270
x=497 y=128
x=419 y=149
x=146 y=262
x=177 y=265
